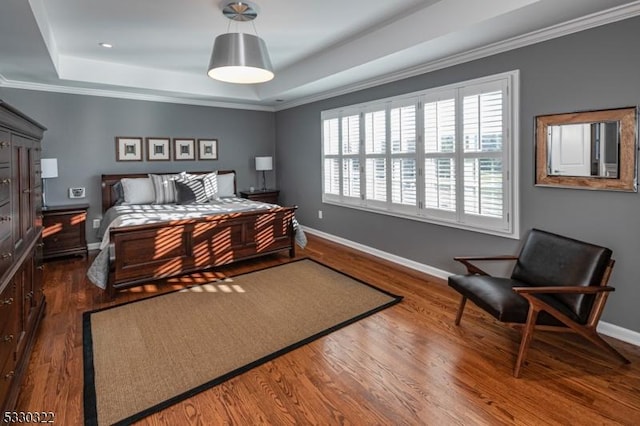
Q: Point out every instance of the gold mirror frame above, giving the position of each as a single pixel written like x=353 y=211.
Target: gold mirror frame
x=626 y=180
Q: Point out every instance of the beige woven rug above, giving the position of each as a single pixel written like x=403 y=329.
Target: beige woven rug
x=144 y=356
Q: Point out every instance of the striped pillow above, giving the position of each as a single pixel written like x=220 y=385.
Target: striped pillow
x=190 y=191
x=165 y=188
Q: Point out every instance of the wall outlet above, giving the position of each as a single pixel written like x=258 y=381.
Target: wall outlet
x=319 y=214
x=76 y=193
x=96 y=223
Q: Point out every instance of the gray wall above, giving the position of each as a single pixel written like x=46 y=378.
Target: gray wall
x=567 y=74
x=594 y=69
x=82 y=129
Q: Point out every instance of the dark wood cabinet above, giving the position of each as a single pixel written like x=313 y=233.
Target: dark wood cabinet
x=264 y=195
x=22 y=301
x=63 y=231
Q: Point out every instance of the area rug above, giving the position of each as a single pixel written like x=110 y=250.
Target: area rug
x=141 y=357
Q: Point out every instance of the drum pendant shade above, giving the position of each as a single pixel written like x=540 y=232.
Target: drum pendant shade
x=240 y=57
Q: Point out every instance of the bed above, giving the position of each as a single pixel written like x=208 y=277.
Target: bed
x=146 y=242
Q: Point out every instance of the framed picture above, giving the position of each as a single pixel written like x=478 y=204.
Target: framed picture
x=128 y=148
x=158 y=149
x=184 y=149
x=207 y=149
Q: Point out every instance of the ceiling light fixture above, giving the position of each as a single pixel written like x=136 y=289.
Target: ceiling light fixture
x=239 y=57
x=106 y=45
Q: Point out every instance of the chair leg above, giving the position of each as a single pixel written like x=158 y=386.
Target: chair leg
x=460 y=310
x=527 y=335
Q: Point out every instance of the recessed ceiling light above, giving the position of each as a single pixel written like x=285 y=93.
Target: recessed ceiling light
x=106 y=45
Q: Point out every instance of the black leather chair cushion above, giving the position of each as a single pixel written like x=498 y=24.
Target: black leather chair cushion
x=548 y=259
x=495 y=295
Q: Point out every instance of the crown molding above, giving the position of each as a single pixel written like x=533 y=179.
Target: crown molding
x=570 y=27
x=593 y=20
x=14 y=84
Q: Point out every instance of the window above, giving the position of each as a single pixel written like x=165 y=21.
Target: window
x=446 y=155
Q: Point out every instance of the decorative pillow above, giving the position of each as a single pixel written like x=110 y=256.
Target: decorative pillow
x=225 y=185
x=117 y=193
x=190 y=191
x=138 y=191
x=210 y=181
x=165 y=189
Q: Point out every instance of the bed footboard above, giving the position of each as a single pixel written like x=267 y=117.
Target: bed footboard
x=143 y=253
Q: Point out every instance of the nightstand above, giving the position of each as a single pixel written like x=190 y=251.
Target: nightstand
x=264 y=195
x=63 y=230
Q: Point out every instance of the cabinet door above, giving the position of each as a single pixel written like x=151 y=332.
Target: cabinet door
x=8 y=338
x=28 y=199
x=37 y=282
x=5 y=166
x=18 y=207
x=5 y=145
x=30 y=297
x=35 y=185
x=21 y=330
x=29 y=293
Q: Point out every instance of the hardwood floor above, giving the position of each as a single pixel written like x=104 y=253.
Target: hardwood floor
x=406 y=365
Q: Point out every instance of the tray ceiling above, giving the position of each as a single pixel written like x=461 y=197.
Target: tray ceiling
x=161 y=48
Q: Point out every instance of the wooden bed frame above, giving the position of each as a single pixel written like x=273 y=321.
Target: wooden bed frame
x=142 y=253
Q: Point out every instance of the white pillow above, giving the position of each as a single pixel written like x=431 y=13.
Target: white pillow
x=138 y=191
x=225 y=185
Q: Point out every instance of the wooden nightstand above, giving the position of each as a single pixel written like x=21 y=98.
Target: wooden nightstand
x=266 y=195
x=63 y=232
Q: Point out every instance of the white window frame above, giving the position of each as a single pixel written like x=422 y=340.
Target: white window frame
x=506 y=226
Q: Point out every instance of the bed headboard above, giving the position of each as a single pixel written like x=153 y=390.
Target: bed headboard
x=108 y=181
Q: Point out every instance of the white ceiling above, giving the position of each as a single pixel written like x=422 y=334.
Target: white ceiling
x=319 y=48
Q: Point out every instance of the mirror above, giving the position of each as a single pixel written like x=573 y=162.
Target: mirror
x=587 y=150
x=584 y=149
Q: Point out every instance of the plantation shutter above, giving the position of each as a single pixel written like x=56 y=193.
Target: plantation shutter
x=375 y=142
x=403 y=155
x=331 y=148
x=440 y=150
x=483 y=182
x=350 y=156
x=443 y=155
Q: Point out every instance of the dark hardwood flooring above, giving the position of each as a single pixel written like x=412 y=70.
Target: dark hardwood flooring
x=406 y=365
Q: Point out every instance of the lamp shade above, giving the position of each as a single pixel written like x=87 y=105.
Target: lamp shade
x=264 y=163
x=240 y=58
x=49 y=168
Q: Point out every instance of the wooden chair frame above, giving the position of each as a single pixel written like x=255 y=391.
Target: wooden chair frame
x=536 y=305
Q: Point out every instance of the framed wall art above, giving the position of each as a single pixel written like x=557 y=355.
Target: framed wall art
x=158 y=149
x=207 y=149
x=128 y=148
x=184 y=149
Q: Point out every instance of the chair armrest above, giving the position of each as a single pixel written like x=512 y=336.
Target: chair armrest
x=473 y=269
x=563 y=289
x=470 y=258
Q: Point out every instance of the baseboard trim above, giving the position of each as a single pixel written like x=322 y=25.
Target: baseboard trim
x=438 y=273
x=608 y=329
x=93 y=246
x=619 y=333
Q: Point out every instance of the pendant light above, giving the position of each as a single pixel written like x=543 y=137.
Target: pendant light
x=239 y=57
